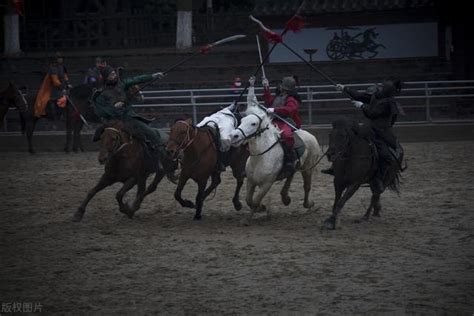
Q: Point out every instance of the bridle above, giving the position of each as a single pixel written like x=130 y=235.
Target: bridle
x=259 y=131
x=118 y=143
x=344 y=149
x=186 y=142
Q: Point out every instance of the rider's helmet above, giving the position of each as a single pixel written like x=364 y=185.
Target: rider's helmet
x=288 y=84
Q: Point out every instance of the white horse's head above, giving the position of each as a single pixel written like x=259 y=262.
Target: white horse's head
x=252 y=125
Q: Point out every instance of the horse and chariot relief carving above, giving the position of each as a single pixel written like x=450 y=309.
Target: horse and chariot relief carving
x=361 y=45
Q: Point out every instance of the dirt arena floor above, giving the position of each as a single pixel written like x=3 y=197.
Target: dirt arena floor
x=417 y=258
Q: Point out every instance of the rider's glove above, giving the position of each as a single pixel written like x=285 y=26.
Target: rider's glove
x=119 y=105
x=270 y=110
x=339 y=87
x=265 y=83
x=158 y=75
x=357 y=104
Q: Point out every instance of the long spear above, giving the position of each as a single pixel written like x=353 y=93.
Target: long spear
x=202 y=50
x=294 y=24
x=324 y=75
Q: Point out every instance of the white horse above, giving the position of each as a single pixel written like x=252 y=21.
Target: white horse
x=266 y=156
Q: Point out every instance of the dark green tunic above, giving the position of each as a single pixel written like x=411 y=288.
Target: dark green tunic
x=111 y=95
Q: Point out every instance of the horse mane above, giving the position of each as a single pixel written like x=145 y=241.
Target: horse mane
x=267 y=119
x=350 y=125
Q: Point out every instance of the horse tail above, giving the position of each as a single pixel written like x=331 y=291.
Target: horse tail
x=396 y=175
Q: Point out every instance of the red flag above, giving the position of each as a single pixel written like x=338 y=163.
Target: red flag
x=205 y=49
x=295 y=24
x=267 y=33
x=272 y=37
x=18 y=4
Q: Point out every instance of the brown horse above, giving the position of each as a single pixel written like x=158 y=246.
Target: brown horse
x=124 y=159
x=355 y=162
x=12 y=97
x=197 y=151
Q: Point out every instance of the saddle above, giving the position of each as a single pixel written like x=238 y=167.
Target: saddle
x=214 y=131
x=299 y=146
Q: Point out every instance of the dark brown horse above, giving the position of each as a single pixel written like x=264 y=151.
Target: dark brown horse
x=197 y=151
x=124 y=159
x=12 y=97
x=354 y=160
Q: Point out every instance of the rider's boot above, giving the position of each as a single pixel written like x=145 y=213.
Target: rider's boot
x=289 y=158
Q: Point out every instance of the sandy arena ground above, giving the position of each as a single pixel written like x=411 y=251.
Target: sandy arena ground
x=417 y=258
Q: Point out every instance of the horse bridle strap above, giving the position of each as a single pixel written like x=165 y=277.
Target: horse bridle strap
x=259 y=130
x=267 y=150
x=187 y=141
x=119 y=145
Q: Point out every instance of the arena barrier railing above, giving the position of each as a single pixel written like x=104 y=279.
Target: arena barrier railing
x=423 y=102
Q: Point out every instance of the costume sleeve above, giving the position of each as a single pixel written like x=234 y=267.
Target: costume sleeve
x=289 y=109
x=267 y=97
x=136 y=80
x=375 y=108
x=251 y=97
x=358 y=96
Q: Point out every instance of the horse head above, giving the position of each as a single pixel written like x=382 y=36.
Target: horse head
x=340 y=138
x=112 y=140
x=252 y=125
x=181 y=136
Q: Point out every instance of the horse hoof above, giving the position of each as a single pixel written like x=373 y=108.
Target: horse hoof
x=75 y=150
x=197 y=217
x=244 y=222
x=361 y=220
x=376 y=214
x=330 y=223
x=32 y=151
x=308 y=205
x=261 y=208
x=286 y=200
x=237 y=206
x=78 y=216
x=188 y=204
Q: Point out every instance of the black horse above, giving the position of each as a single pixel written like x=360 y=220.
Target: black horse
x=12 y=97
x=355 y=162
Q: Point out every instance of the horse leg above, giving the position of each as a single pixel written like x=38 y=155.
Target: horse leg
x=141 y=186
x=76 y=139
x=200 y=199
x=67 y=146
x=330 y=223
x=263 y=190
x=307 y=176
x=236 y=199
x=377 y=205
x=159 y=174
x=30 y=128
x=127 y=186
x=215 y=181
x=103 y=183
x=177 y=194
x=284 y=191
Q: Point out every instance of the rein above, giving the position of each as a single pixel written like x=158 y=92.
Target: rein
x=187 y=141
x=118 y=145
